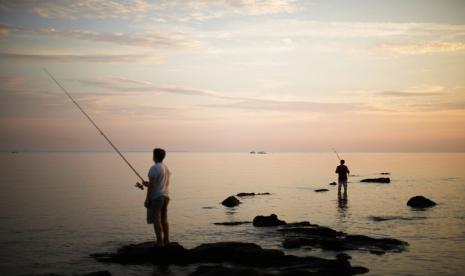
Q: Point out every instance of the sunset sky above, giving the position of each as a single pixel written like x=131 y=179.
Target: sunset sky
x=234 y=75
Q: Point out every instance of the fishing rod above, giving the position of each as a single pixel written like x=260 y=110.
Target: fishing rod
x=138 y=185
x=337 y=154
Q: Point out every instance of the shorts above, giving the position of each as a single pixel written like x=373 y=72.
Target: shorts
x=158 y=209
x=343 y=183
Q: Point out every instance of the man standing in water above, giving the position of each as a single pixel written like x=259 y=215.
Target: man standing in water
x=157 y=198
x=343 y=173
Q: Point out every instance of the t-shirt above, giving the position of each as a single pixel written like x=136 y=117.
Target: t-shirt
x=161 y=173
x=342 y=170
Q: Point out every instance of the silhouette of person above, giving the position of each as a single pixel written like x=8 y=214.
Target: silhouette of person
x=157 y=198
x=343 y=173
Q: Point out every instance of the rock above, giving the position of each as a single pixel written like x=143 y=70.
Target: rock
x=251 y=194
x=377 y=180
x=246 y=258
x=320 y=190
x=146 y=252
x=231 y=201
x=98 y=273
x=297 y=224
x=333 y=183
x=420 y=202
x=313 y=230
x=232 y=223
x=385 y=173
x=265 y=221
x=385 y=218
x=214 y=270
x=330 y=239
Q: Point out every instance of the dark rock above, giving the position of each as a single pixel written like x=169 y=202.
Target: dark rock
x=98 y=273
x=313 y=230
x=330 y=239
x=385 y=173
x=146 y=252
x=297 y=224
x=232 y=223
x=231 y=201
x=359 y=270
x=265 y=221
x=377 y=180
x=321 y=190
x=333 y=183
x=385 y=218
x=420 y=202
x=95 y=273
x=210 y=270
x=248 y=255
x=251 y=194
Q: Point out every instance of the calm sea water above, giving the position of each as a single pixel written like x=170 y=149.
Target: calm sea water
x=57 y=208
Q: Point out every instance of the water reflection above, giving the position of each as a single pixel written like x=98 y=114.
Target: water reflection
x=342 y=208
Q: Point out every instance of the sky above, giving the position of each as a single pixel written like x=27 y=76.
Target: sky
x=234 y=75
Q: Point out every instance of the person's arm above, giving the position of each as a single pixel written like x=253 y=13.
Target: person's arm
x=337 y=169
x=150 y=188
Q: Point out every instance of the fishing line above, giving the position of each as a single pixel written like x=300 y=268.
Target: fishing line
x=138 y=185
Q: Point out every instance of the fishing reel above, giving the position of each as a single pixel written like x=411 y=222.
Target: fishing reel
x=140 y=186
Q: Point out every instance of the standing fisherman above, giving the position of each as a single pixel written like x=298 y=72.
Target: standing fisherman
x=343 y=173
x=157 y=198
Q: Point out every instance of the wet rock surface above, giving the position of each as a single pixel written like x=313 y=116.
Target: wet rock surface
x=266 y=221
x=251 y=194
x=232 y=223
x=247 y=258
x=231 y=201
x=420 y=202
x=377 y=180
x=330 y=239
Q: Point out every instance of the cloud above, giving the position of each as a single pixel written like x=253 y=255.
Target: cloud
x=129 y=85
x=156 y=40
x=422 y=48
x=292 y=106
x=71 y=9
x=201 y=10
x=408 y=94
x=185 y=9
x=86 y=58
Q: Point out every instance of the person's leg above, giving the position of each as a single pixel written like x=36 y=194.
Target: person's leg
x=164 y=221
x=345 y=187
x=339 y=183
x=157 y=226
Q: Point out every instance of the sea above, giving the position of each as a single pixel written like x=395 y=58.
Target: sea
x=57 y=208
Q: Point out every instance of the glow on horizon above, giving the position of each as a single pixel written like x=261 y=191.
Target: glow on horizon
x=204 y=75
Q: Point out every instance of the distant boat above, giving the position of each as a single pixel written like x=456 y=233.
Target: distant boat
x=14 y=151
x=252 y=152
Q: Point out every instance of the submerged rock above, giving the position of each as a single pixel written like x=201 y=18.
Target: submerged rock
x=265 y=221
x=385 y=218
x=330 y=239
x=232 y=223
x=420 y=202
x=249 y=256
x=251 y=194
x=377 y=180
x=231 y=201
x=385 y=173
x=333 y=183
x=320 y=190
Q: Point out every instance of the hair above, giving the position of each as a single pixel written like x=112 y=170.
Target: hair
x=342 y=162
x=158 y=154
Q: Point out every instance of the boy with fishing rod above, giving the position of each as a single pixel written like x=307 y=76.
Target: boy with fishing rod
x=157 y=199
